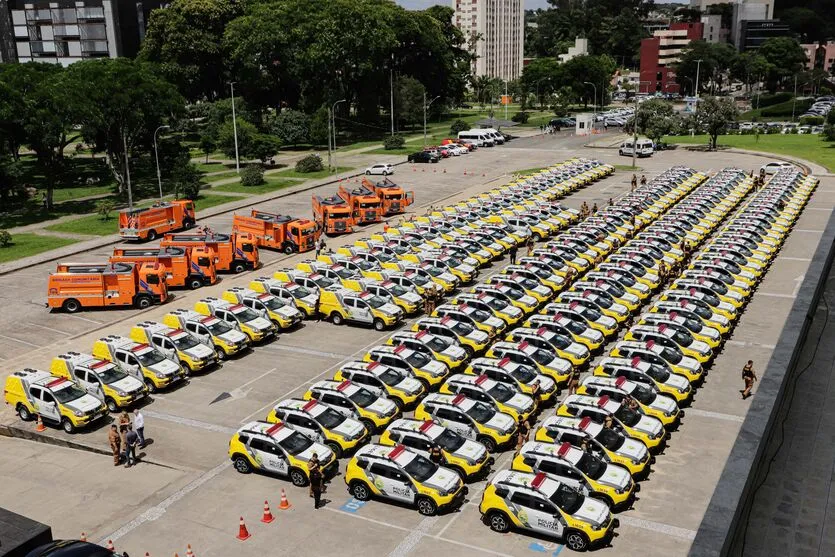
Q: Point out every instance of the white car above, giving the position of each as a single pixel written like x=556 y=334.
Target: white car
x=384 y=169
x=775 y=166
x=454 y=151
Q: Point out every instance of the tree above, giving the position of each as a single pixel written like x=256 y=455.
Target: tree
x=121 y=102
x=408 y=102
x=541 y=77
x=252 y=175
x=750 y=67
x=263 y=147
x=581 y=69
x=655 y=118
x=186 y=179
x=713 y=116
x=690 y=68
x=104 y=207
x=246 y=133
x=207 y=145
x=319 y=127
x=786 y=58
x=810 y=24
x=458 y=126
x=564 y=99
x=291 y=127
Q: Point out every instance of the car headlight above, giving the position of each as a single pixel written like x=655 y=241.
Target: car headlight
x=78 y=413
x=121 y=393
x=159 y=375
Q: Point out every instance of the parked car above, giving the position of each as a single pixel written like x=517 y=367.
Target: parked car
x=774 y=167
x=385 y=169
x=423 y=156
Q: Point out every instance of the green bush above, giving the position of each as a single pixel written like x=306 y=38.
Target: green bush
x=5 y=239
x=830 y=118
x=311 y=163
x=252 y=175
x=394 y=142
x=776 y=98
x=458 y=126
x=828 y=132
x=786 y=108
x=811 y=121
x=186 y=180
x=105 y=207
x=520 y=117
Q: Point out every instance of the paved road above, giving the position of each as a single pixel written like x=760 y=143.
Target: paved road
x=190 y=494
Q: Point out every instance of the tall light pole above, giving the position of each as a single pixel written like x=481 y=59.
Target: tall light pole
x=537 y=91
x=391 y=95
x=594 y=104
x=235 y=129
x=794 y=98
x=425 y=108
x=127 y=170
x=698 y=67
x=635 y=126
x=333 y=115
x=505 y=100
x=156 y=156
x=330 y=152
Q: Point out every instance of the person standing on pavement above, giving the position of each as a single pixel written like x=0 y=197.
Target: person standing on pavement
x=530 y=246
x=524 y=432
x=130 y=451
x=139 y=425
x=315 y=480
x=643 y=179
x=634 y=182
x=124 y=424
x=313 y=462
x=748 y=376
x=573 y=381
x=435 y=455
x=513 y=254
x=115 y=444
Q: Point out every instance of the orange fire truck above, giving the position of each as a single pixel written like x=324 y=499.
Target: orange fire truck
x=282 y=232
x=151 y=222
x=86 y=285
x=393 y=198
x=332 y=215
x=192 y=267
x=230 y=252
x=364 y=203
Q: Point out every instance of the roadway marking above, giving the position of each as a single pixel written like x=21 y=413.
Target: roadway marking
x=784 y=258
x=667 y=529
x=21 y=341
x=744 y=343
x=157 y=511
x=714 y=415
x=352 y=506
x=409 y=542
x=828 y=210
x=307 y=351
x=808 y=230
x=189 y=422
x=774 y=295
x=87 y=320
x=48 y=328
x=251 y=381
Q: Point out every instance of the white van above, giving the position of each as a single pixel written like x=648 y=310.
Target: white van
x=644 y=148
x=495 y=134
x=479 y=137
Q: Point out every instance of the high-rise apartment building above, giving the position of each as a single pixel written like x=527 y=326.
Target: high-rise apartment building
x=499 y=24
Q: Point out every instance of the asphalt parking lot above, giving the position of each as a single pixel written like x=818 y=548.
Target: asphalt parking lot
x=187 y=493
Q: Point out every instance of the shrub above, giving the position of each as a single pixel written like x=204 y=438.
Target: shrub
x=828 y=132
x=830 y=118
x=252 y=175
x=521 y=117
x=186 y=180
x=104 y=208
x=5 y=239
x=394 y=142
x=811 y=120
x=311 y=163
x=458 y=126
x=776 y=98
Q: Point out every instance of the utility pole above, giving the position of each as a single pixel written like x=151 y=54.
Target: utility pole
x=329 y=139
x=127 y=170
x=391 y=88
x=635 y=127
x=235 y=129
x=698 y=67
x=333 y=113
x=156 y=156
x=794 y=98
x=425 y=109
x=505 y=100
x=594 y=104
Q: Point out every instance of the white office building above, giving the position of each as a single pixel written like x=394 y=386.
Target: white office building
x=500 y=24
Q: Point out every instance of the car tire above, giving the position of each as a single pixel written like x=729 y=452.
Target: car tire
x=24 y=413
x=368 y=173
x=385 y=173
x=360 y=491
x=221 y=355
x=71 y=306
x=488 y=443
x=298 y=478
x=369 y=425
x=498 y=521
x=112 y=407
x=427 y=506
x=337 y=319
x=143 y=302
x=241 y=464
x=152 y=235
x=379 y=325
x=195 y=282
x=67 y=426
x=576 y=541
x=398 y=402
x=335 y=448
x=151 y=387
x=288 y=249
x=238 y=267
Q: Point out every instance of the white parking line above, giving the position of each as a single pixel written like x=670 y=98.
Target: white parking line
x=20 y=341
x=808 y=230
x=775 y=295
x=828 y=210
x=714 y=415
x=189 y=422
x=409 y=542
x=785 y=258
x=307 y=351
x=85 y=319
x=743 y=343
x=667 y=529
x=48 y=328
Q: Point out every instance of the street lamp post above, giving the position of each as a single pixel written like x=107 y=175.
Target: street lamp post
x=794 y=98
x=594 y=104
x=127 y=170
x=333 y=115
x=505 y=100
x=698 y=67
x=156 y=156
x=425 y=108
x=635 y=126
x=235 y=129
x=538 y=99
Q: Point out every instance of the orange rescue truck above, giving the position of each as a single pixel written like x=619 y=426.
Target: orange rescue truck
x=364 y=203
x=332 y=215
x=393 y=198
x=192 y=267
x=151 y=222
x=281 y=232
x=230 y=252
x=86 y=285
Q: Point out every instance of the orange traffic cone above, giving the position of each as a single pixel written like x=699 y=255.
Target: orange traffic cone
x=110 y=546
x=243 y=533
x=189 y=552
x=465 y=172
x=147 y=554
x=83 y=537
x=284 y=504
x=268 y=516
x=40 y=426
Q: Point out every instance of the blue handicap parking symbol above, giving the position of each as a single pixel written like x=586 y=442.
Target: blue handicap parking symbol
x=352 y=506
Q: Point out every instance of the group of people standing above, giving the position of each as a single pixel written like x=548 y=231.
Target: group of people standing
x=125 y=436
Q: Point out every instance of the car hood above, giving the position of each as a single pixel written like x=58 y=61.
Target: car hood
x=200 y=351
x=84 y=403
x=592 y=511
x=444 y=479
x=382 y=407
x=501 y=422
x=349 y=428
x=615 y=476
x=664 y=404
x=166 y=367
x=633 y=448
x=233 y=336
x=260 y=324
x=649 y=425
x=454 y=352
x=471 y=450
x=322 y=451
x=288 y=312
x=435 y=368
x=127 y=384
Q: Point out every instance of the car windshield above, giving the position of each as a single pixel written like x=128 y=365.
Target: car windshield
x=513 y=294
x=658 y=373
x=449 y=440
x=702 y=312
x=390 y=377
x=670 y=355
x=497 y=304
x=69 y=394
x=560 y=341
x=528 y=283
x=362 y=398
x=110 y=374
x=478 y=314
x=523 y=374
x=438 y=344
x=591 y=466
x=330 y=419
x=374 y=301
x=150 y=357
x=420 y=468
x=246 y=314
x=343 y=272
x=300 y=292
x=568 y=500
x=432 y=270
x=481 y=413
x=610 y=439
x=643 y=394
x=396 y=289
x=417 y=359
x=462 y=328
x=295 y=443
x=363 y=264
x=273 y=303
x=219 y=327
x=602 y=300
x=543 y=356
x=682 y=339
x=184 y=342
x=591 y=314
x=627 y=416
x=500 y=392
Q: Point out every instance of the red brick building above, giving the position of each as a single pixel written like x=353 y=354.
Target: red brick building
x=661 y=52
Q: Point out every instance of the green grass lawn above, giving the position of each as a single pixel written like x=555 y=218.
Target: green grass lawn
x=809 y=147
x=24 y=245
x=627 y=167
x=207 y=200
x=273 y=183
x=70 y=194
x=291 y=173
x=94 y=225
x=784 y=109
x=529 y=170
